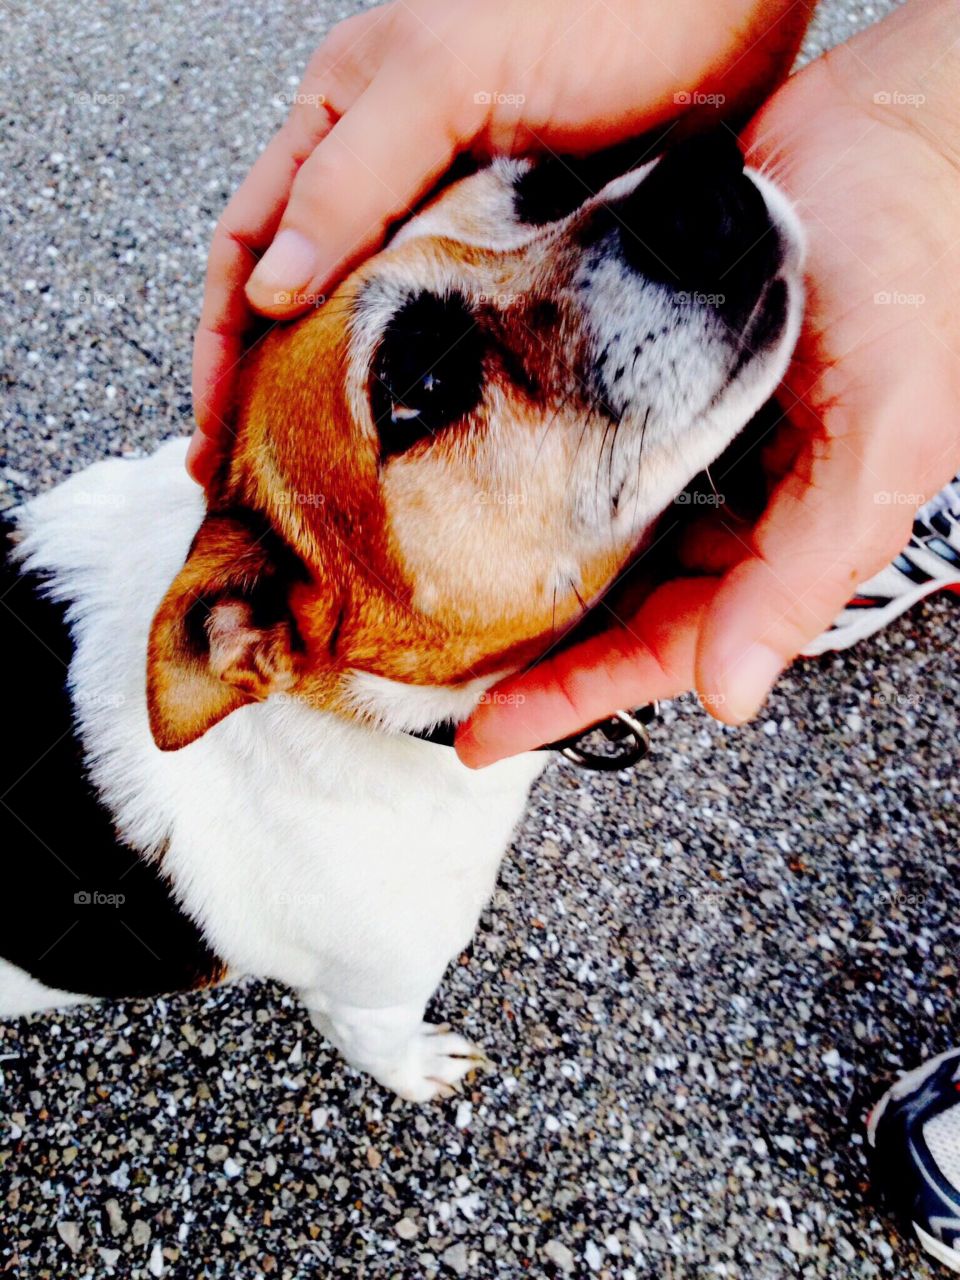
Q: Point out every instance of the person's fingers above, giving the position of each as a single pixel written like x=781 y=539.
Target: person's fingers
x=243 y=231
x=218 y=340
x=822 y=535
x=245 y=228
x=360 y=178
x=203 y=456
x=337 y=74
x=626 y=667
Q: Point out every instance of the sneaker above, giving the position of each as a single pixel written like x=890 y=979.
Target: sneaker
x=914 y=1131
x=929 y=562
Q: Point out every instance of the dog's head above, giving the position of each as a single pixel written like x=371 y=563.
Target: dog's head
x=436 y=468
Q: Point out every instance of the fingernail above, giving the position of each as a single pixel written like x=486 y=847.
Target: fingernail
x=285 y=270
x=203 y=459
x=466 y=747
x=746 y=684
x=469 y=750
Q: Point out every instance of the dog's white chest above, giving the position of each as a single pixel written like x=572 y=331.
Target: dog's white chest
x=310 y=850
x=339 y=858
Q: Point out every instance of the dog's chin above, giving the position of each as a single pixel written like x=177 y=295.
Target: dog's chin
x=658 y=469
x=770 y=340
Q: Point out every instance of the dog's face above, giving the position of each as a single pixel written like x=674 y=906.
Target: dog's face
x=435 y=469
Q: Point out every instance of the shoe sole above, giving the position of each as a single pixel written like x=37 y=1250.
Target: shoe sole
x=875 y=620
x=937 y=1249
x=909 y=1082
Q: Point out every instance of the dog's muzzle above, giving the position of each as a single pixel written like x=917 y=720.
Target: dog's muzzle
x=699 y=226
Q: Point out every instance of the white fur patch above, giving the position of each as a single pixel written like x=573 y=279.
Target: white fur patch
x=311 y=850
x=21 y=994
x=395 y=707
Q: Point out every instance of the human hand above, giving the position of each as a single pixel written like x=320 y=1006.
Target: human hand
x=395 y=93
x=866 y=141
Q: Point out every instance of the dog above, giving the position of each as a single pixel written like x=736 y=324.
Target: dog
x=227 y=710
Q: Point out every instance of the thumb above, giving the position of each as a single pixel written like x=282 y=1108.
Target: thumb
x=634 y=663
x=825 y=531
x=361 y=177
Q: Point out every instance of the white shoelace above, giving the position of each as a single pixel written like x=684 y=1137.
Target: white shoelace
x=947 y=501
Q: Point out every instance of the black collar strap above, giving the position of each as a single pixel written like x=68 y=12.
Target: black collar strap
x=626 y=731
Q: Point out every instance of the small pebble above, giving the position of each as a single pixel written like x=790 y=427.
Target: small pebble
x=70 y=1234
x=557 y=1252
x=456 y=1258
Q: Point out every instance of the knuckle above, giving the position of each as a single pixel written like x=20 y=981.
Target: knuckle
x=301 y=133
x=221 y=256
x=340 y=39
x=435 y=35
x=309 y=194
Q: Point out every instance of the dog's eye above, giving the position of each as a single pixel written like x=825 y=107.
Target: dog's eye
x=428 y=370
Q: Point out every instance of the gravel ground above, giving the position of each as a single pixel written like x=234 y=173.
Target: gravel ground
x=693 y=983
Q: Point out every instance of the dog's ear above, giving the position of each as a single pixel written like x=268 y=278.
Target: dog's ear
x=224 y=634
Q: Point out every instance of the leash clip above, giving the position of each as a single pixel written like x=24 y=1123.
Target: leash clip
x=626 y=730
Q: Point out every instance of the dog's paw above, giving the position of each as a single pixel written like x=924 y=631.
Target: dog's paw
x=436 y=1060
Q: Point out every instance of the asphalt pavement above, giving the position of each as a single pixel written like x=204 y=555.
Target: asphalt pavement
x=693 y=980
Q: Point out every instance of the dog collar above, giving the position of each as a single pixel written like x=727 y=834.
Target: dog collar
x=624 y=735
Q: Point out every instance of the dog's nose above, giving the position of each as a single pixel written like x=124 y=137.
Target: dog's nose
x=698 y=224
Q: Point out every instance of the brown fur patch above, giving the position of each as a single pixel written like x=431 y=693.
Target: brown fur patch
x=453 y=561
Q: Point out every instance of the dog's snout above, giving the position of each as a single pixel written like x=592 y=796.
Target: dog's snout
x=699 y=224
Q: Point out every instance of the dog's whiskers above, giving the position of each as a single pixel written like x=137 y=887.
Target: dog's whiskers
x=643 y=436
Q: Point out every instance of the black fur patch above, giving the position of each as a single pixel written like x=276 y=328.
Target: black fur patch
x=557 y=185
x=83 y=912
